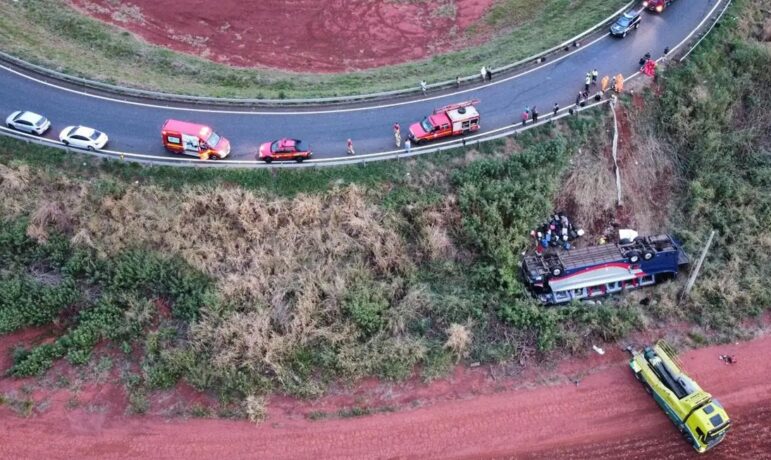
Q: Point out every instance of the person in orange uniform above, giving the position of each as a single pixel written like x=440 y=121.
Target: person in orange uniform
x=203 y=151
x=619 y=83
x=605 y=83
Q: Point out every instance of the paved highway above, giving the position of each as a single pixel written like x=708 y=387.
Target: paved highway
x=135 y=127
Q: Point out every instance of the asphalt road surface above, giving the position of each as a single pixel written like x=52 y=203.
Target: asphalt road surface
x=135 y=127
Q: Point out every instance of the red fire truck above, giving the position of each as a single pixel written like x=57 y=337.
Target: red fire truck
x=656 y=5
x=193 y=139
x=450 y=120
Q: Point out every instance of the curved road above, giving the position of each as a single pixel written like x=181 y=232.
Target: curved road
x=135 y=127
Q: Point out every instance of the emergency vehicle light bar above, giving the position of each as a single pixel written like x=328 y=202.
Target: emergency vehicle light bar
x=459 y=105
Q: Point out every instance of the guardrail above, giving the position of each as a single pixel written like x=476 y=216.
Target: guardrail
x=204 y=100
x=504 y=131
x=704 y=35
x=474 y=139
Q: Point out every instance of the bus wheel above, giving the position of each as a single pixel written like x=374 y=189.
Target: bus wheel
x=634 y=257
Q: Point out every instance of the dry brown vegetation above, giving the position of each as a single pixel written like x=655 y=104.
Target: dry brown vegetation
x=284 y=267
x=648 y=179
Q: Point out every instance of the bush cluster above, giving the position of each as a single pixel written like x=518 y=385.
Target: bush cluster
x=122 y=307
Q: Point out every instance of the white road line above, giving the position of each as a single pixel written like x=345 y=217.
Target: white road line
x=353 y=160
x=311 y=112
x=683 y=41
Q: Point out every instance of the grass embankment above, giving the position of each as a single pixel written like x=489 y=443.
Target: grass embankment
x=50 y=33
x=247 y=284
x=244 y=287
x=715 y=113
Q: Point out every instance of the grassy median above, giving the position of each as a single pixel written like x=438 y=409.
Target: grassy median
x=50 y=33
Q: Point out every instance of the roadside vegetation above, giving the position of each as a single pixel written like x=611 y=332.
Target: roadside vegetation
x=52 y=34
x=248 y=283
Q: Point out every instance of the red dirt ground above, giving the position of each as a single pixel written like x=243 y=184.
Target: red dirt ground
x=298 y=35
x=606 y=415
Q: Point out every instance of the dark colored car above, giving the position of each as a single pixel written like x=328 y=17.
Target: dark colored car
x=623 y=25
x=284 y=149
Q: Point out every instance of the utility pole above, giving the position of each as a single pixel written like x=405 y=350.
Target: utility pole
x=696 y=270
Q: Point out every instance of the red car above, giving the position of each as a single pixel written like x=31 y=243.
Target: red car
x=657 y=5
x=284 y=149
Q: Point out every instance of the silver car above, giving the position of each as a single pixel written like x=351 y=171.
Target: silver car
x=28 y=122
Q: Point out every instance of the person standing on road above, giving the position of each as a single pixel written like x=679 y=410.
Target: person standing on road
x=556 y=109
x=483 y=72
x=525 y=117
x=397 y=134
x=595 y=74
x=578 y=98
x=489 y=74
x=407 y=145
x=605 y=83
x=457 y=81
x=423 y=86
x=619 y=86
x=587 y=82
x=349 y=148
x=535 y=115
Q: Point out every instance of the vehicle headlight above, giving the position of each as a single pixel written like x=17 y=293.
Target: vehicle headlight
x=645 y=3
x=660 y=8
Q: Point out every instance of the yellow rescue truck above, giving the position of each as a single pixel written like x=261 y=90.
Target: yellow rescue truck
x=701 y=419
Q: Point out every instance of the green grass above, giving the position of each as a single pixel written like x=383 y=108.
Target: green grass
x=378 y=316
x=715 y=112
x=50 y=33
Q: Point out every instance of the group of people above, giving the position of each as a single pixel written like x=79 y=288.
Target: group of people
x=616 y=84
x=557 y=232
x=486 y=73
x=397 y=138
x=528 y=113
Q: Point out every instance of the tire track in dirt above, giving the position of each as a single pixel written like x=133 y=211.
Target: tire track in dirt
x=607 y=415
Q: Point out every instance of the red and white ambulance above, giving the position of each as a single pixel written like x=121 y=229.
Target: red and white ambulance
x=193 y=139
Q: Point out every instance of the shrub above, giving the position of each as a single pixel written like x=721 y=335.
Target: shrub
x=366 y=305
x=24 y=302
x=501 y=200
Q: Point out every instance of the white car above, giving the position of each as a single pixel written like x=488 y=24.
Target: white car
x=84 y=138
x=29 y=122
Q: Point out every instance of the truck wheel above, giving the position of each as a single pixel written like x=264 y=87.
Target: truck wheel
x=634 y=257
x=268 y=160
x=556 y=271
x=648 y=255
x=637 y=26
x=299 y=159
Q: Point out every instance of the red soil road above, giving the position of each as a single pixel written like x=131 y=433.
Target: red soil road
x=608 y=415
x=298 y=35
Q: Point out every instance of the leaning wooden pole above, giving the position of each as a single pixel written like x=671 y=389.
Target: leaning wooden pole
x=697 y=269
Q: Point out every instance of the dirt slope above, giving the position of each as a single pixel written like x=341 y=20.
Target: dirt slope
x=606 y=416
